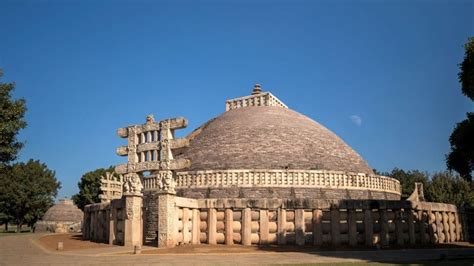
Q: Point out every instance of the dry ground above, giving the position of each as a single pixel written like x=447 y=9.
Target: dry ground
x=37 y=249
x=70 y=242
x=75 y=242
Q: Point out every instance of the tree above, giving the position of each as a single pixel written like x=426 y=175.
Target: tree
x=461 y=157
x=408 y=179
x=27 y=191
x=89 y=187
x=466 y=74
x=447 y=188
x=11 y=122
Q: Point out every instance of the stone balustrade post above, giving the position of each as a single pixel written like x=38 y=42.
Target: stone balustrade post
x=186 y=226
x=167 y=220
x=422 y=226
x=133 y=232
x=196 y=231
x=317 y=227
x=384 y=227
x=247 y=227
x=351 y=220
x=211 y=226
x=335 y=227
x=369 y=227
x=281 y=226
x=229 y=229
x=264 y=229
x=411 y=226
x=458 y=226
x=112 y=214
x=399 y=227
x=299 y=227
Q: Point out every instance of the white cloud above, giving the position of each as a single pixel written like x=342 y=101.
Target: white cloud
x=357 y=120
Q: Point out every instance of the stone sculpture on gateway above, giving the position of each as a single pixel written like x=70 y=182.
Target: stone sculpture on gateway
x=132 y=185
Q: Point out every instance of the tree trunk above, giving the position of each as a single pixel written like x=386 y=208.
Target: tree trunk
x=18 y=228
x=6 y=227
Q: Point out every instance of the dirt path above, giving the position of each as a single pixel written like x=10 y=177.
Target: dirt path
x=27 y=250
x=70 y=242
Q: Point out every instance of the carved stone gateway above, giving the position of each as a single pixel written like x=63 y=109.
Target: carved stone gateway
x=111 y=187
x=149 y=150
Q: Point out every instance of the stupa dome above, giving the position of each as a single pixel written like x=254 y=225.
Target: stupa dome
x=64 y=211
x=269 y=137
x=259 y=148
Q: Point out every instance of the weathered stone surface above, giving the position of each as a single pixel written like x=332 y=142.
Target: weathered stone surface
x=63 y=217
x=111 y=187
x=133 y=223
x=288 y=193
x=258 y=174
x=268 y=137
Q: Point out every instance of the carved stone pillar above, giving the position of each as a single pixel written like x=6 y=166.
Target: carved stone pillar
x=167 y=215
x=133 y=221
x=132 y=192
x=150 y=149
x=167 y=220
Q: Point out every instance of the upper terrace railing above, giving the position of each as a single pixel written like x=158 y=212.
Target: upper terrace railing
x=280 y=178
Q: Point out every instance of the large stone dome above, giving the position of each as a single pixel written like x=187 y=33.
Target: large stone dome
x=64 y=211
x=269 y=137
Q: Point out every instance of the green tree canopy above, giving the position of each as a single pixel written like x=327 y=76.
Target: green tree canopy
x=438 y=187
x=461 y=157
x=466 y=73
x=27 y=191
x=447 y=188
x=408 y=179
x=89 y=187
x=11 y=122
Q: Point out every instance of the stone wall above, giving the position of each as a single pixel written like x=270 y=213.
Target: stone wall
x=337 y=223
x=104 y=222
x=285 y=193
x=468 y=215
x=57 y=227
x=302 y=222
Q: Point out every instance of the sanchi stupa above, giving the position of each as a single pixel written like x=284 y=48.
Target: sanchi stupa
x=258 y=174
x=63 y=217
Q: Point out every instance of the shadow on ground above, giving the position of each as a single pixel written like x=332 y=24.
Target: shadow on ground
x=443 y=254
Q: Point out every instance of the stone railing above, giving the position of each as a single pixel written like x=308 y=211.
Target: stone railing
x=337 y=223
x=261 y=99
x=304 y=222
x=283 y=178
x=104 y=222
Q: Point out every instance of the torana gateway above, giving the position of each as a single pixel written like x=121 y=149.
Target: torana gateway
x=260 y=173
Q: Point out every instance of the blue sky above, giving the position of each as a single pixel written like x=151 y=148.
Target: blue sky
x=380 y=74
